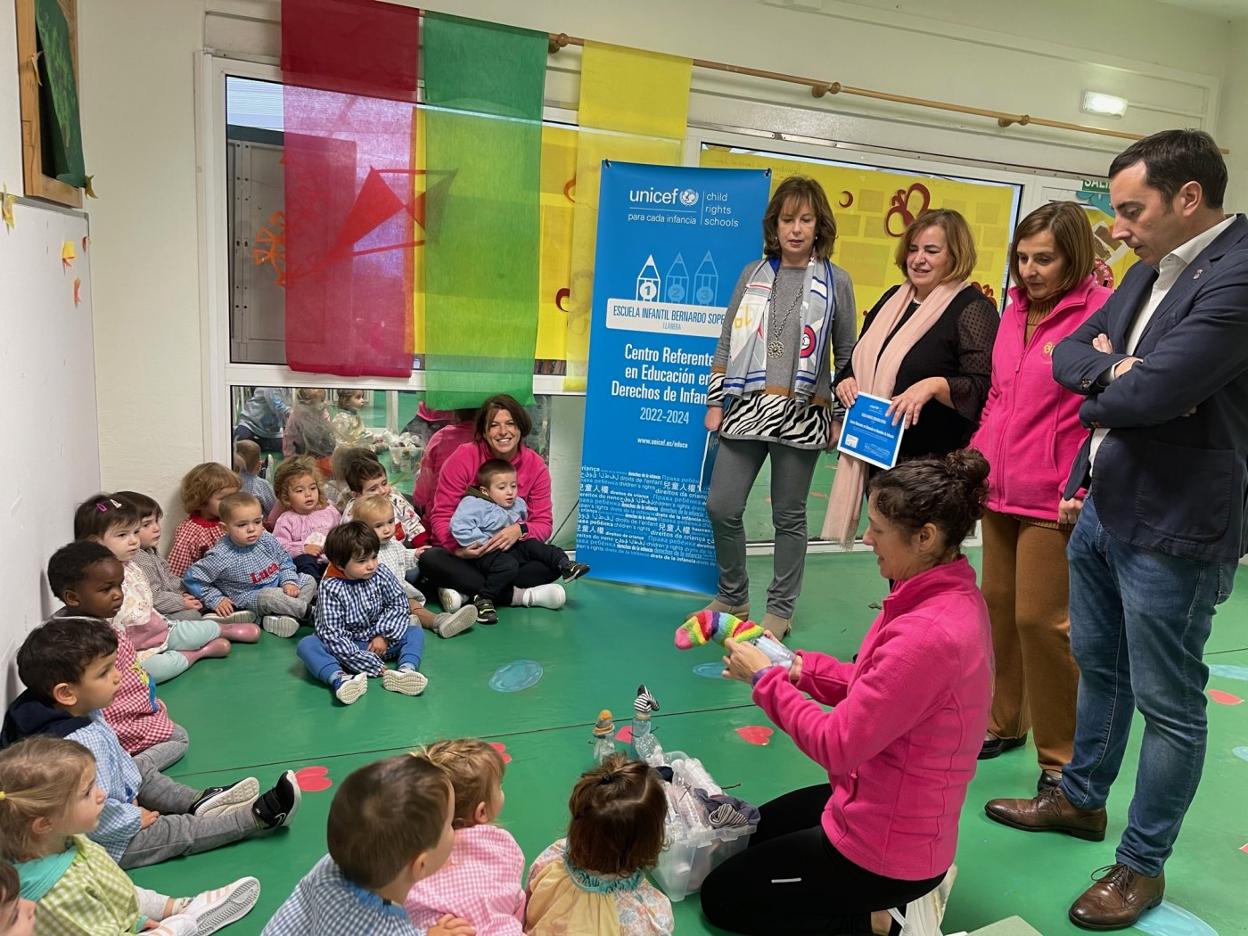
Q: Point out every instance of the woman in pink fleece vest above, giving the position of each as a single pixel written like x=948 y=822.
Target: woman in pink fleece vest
x=1030 y=433
x=900 y=745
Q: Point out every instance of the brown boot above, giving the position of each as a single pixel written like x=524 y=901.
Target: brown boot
x=780 y=626
x=1118 y=899
x=739 y=611
x=1050 y=811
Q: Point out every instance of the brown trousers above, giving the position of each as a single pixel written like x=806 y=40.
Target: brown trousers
x=1026 y=587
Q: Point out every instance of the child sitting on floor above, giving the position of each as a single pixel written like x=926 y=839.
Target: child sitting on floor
x=389 y=827
x=365 y=475
x=17 y=914
x=70 y=668
x=87 y=577
x=165 y=648
x=203 y=489
x=598 y=871
x=169 y=598
x=306 y=520
x=248 y=569
x=377 y=510
x=481 y=881
x=349 y=428
x=362 y=620
x=251 y=481
x=51 y=804
x=488 y=508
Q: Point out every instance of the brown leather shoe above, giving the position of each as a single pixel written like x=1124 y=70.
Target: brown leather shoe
x=1050 y=811
x=1118 y=899
x=738 y=611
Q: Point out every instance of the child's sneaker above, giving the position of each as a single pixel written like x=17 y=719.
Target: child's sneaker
x=277 y=807
x=544 y=596
x=574 y=571
x=405 y=681
x=486 y=612
x=348 y=689
x=451 y=625
x=219 y=800
x=451 y=600
x=235 y=617
x=215 y=909
x=280 y=625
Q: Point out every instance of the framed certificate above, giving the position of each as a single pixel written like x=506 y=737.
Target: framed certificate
x=868 y=434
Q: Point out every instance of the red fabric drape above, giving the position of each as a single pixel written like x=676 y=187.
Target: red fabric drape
x=349 y=69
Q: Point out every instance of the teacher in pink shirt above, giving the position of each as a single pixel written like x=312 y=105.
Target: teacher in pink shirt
x=899 y=747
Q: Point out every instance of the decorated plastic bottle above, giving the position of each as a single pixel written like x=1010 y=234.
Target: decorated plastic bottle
x=603 y=739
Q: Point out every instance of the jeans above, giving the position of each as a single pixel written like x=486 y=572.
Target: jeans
x=1139 y=620
x=322 y=665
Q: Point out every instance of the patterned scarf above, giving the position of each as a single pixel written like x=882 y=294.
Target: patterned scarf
x=747 y=350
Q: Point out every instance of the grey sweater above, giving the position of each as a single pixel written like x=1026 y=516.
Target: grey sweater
x=781 y=370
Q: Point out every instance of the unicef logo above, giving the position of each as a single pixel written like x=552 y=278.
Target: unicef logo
x=688 y=197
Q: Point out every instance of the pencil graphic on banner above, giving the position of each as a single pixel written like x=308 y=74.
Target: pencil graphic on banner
x=648 y=281
x=676 y=287
x=706 y=282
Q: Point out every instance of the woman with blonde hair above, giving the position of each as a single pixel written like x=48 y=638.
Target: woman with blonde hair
x=770 y=393
x=1030 y=433
x=926 y=345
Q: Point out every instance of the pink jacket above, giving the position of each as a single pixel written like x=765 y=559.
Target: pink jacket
x=910 y=716
x=442 y=445
x=1029 y=430
x=460 y=472
x=480 y=883
x=293 y=529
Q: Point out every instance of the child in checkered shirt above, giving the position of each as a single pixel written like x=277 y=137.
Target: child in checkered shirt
x=51 y=802
x=203 y=489
x=87 y=577
x=481 y=881
x=165 y=648
x=389 y=827
x=377 y=510
x=362 y=620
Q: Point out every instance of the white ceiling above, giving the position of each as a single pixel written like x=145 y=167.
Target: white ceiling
x=1230 y=9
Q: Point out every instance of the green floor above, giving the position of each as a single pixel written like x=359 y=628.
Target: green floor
x=257 y=713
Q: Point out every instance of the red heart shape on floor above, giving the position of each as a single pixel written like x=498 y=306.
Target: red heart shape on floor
x=625 y=735
x=1224 y=698
x=313 y=779
x=756 y=734
x=502 y=749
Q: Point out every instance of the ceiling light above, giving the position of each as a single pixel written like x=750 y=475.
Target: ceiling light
x=1106 y=105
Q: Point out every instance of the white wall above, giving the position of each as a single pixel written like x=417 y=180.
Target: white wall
x=138 y=100
x=1024 y=57
x=10 y=119
x=1233 y=125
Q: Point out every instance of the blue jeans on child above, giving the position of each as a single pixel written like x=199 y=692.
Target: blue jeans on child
x=323 y=665
x=1139 y=620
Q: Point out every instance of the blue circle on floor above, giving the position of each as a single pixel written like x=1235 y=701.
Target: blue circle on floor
x=1241 y=753
x=1228 y=671
x=709 y=670
x=1172 y=920
x=516 y=676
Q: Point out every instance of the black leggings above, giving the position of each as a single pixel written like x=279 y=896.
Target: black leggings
x=446 y=570
x=792 y=880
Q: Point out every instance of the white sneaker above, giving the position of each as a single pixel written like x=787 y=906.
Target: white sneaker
x=923 y=916
x=218 y=801
x=351 y=688
x=451 y=600
x=212 y=910
x=238 y=617
x=544 y=596
x=280 y=625
x=407 y=682
x=453 y=624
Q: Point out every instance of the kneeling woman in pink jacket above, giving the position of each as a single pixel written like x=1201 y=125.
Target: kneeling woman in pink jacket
x=1030 y=433
x=900 y=745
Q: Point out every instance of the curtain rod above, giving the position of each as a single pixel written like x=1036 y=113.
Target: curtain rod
x=819 y=89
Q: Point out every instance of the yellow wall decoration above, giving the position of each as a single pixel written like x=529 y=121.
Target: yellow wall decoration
x=873 y=207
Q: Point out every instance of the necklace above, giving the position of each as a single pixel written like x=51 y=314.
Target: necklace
x=775 y=347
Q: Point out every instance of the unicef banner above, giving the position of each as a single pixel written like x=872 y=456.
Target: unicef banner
x=671 y=243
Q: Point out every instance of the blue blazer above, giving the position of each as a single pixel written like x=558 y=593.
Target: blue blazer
x=1173 y=474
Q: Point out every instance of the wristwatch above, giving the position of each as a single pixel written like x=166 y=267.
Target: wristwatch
x=524 y=529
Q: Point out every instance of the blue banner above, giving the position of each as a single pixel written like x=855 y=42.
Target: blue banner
x=671 y=243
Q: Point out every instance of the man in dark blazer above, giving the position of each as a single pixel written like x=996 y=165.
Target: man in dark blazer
x=1164 y=367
